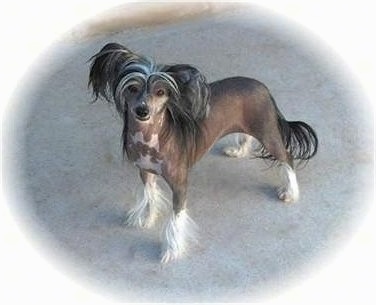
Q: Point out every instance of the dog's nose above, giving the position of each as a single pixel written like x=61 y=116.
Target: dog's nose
x=142 y=112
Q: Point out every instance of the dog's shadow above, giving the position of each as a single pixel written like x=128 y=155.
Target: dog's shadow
x=130 y=243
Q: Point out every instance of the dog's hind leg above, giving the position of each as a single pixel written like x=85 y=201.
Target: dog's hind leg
x=289 y=190
x=149 y=205
x=180 y=229
x=242 y=147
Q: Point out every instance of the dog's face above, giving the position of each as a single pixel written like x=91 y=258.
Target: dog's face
x=147 y=100
x=148 y=94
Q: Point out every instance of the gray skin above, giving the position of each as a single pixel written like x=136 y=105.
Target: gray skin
x=237 y=104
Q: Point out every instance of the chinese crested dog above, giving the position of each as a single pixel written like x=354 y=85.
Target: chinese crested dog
x=172 y=117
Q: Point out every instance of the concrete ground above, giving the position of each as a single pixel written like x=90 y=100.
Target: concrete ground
x=65 y=160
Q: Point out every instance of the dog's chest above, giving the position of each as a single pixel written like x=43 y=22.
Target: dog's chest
x=143 y=151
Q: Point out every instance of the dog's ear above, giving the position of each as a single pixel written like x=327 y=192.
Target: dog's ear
x=105 y=71
x=193 y=88
x=188 y=105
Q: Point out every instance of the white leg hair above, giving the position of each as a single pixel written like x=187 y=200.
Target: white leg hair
x=242 y=147
x=149 y=206
x=179 y=231
x=289 y=191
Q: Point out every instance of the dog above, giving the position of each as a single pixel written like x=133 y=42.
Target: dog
x=172 y=116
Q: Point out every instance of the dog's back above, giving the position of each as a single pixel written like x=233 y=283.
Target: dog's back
x=253 y=110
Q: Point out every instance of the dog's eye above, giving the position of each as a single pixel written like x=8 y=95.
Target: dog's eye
x=160 y=92
x=133 y=89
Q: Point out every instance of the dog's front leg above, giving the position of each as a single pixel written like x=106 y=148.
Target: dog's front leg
x=180 y=229
x=149 y=204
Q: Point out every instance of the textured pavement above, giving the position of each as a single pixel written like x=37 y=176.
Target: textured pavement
x=66 y=164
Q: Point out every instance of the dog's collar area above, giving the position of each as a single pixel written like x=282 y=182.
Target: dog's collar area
x=147 y=152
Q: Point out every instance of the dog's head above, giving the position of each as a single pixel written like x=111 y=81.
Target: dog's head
x=145 y=92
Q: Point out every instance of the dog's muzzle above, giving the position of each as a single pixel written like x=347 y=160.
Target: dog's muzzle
x=142 y=112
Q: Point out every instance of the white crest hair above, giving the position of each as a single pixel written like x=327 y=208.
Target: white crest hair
x=142 y=70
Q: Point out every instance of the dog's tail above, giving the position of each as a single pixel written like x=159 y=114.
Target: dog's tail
x=299 y=138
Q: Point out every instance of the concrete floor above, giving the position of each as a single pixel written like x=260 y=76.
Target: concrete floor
x=66 y=163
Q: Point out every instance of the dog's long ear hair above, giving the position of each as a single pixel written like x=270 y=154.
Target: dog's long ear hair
x=190 y=106
x=106 y=72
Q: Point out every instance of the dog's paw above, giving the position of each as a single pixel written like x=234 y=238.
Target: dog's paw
x=179 y=233
x=235 y=151
x=134 y=219
x=169 y=256
x=287 y=195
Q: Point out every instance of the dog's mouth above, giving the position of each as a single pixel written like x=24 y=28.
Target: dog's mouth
x=143 y=118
